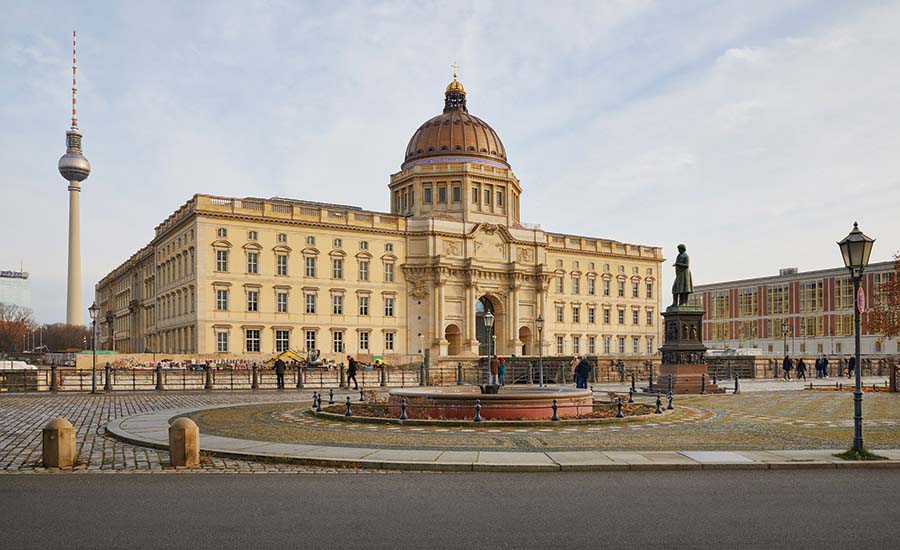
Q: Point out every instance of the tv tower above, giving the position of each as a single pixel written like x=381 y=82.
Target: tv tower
x=75 y=168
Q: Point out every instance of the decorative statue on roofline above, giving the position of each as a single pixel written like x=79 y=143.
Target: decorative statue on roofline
x=683 y=287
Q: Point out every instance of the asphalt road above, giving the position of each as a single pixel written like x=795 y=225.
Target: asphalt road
x=744 y=509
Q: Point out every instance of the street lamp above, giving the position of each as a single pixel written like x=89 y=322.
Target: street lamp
x=489 y=325
x=540 y=327
x=94 y=311
x=856 y=249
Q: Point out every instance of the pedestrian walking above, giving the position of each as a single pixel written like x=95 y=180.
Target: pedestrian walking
x=494 y=371
x=850 y=366
x=801 y=369
x=352 y=365
x=501 y=371
x=824 y=366
x=786 y=366
x=279 y=373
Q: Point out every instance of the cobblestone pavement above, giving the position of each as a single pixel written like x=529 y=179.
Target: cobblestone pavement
x=786 y=420
x=22 y=416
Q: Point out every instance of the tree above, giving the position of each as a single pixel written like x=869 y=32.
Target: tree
x=15 y=322
x=60 y=336
x=884 y=316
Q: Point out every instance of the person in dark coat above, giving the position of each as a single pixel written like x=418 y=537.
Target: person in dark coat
x=801 y=370
x=850 y=366
x=582 y=371
x=824 y=366
x=279 y=373
x=352 y=365
x=787 y=365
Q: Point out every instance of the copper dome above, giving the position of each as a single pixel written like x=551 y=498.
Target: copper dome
x=455 y=133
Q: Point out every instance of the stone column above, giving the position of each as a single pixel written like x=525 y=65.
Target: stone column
x=515 y=345
x=74 y=311
x=58 y=449
x=470 y=337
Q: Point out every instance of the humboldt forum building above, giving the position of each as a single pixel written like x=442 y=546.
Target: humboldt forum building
x=246 y=277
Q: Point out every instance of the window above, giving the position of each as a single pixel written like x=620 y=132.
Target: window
x=311 y=240
x=251 y=235
x=650 y=350
x=310 y=262
x=487 y=197
x=252 y=262
x=576 y=285
x=363 y=341
x=621 y=316
x=426 y=196
x=251 y=340
x=282 y=237
x=621 y=269
x=364 y=270
x=607 y=345
x=621 y=289
x=592 y=315
x=337 y=243
x=499 y=198
x=457 y=193
x=388 y=247
x=281 y=263
x=222 y=342
x=606 y=316
x=282 y=340
x=621 y=344
x=222 y=299
x=388 y=341
x=719 y=304
x=747 y=302
x=635 y=344
x=635 y=289
x=606 y=287
x=811 y=296
x=364 y=305
x=475 y=195
x=337 y=341
x=281 y=302
x=310 y=301
x=635 y=317
x=812 y=326
x=592 y=287
x=560 y=316
x=310 y=340
x=442 y=195
x=592 y=345
x=837 y=348
x=778 y=299
x=559 y=285
x=252 y=300
x=221 y=260
x=576 y=314
x=388 y=272
x=649 y=291
x=221 y=232
x=877 y=346
x=746 y=330
x=388 y=307
x=576 y=345
x=843 y=293
x=337 y=304
x=363 y=245
x=337 y=268
x=649 y=317
x=560 y=345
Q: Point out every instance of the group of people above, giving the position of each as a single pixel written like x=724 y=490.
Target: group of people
x=581 y=369
x=498 y=371
x=821 y=365
x=280 y=367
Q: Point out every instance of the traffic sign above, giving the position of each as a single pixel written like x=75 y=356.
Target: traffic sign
x=861 y=300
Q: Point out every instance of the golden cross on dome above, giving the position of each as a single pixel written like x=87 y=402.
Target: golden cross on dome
x=455 y=66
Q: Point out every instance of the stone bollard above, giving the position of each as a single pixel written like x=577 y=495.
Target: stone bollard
x=184 y=443
x=54 y=382
x=159 y=378
x=58 y=444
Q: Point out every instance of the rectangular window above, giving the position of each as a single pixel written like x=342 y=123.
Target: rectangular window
x=635 y=290
x=389 y=273
x=606 y=320
x=576 y=285
x=649 y=317
x=388 y=307
x=252 y=262
x=559 y=285
x=560 y=345
x=363 y=245
x=607 y=345
x=576 y=345
x=606 y=287
x=621 y=316
x=475 y=195
x=426 y=196
x=747 y=302
x=337 y=268
x=843 y=293
x=311 y=240
x=442 y=195
x=621 y=344
x=337 y=304
x=592 y=315
x=281 y=302
x=635 y=344
x=719 y=304
x=364 y=305
x=635 y=317
x=592 y=287
x=364 y=270
x=310 y=263
x=363 y=341
x=457 y=193
x=500 y=198
x=621 y=289
x=388 y=247
x=282 y=237
x=251 y=235
x=252 y=300
x=576 y=314
x=487 y=197
x=281 y=263
x=282 y=340
x=650 y=350
x=388 y=341
x=221 y=232
x=310 y=340
x=337 y=243
x=222 y=342
x=649 y=291
x=592 y=345
x=778 y=299
x=560 y=316
x=811 y=296
x=337 y=341
x=221 y=299
x=251 y=340
x=221 y=260
x=310 y=301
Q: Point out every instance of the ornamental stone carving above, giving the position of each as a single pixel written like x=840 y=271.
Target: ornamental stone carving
x=524 y=255
x=452 y=248
x=417 y=288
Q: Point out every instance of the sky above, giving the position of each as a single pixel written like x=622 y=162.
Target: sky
x=754 y=132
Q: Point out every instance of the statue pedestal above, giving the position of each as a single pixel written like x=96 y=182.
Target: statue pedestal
x=683 y=354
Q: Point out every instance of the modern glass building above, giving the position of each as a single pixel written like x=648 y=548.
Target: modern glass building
x=15 y=289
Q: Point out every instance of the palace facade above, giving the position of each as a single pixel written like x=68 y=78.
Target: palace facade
x=248 y=276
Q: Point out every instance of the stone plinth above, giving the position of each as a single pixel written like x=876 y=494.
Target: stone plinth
x=685 y=379
x=184 y=443
x=683 y=353
x=58 y=444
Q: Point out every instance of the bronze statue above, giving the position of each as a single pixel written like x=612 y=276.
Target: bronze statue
x=683 y=286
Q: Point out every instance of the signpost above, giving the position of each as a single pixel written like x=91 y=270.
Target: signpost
x=861 y=300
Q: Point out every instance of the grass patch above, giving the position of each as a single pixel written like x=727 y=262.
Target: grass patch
x=862 y=454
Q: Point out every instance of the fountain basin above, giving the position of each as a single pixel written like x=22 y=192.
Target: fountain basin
x=510 y=403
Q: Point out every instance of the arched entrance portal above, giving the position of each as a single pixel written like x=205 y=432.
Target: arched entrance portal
x=482 y=306
x=453 y=336
x=525 y=338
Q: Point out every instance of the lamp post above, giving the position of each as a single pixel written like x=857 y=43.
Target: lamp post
x=856 y=249
x=540 y=328
x=489 y=325
x=94 y=311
